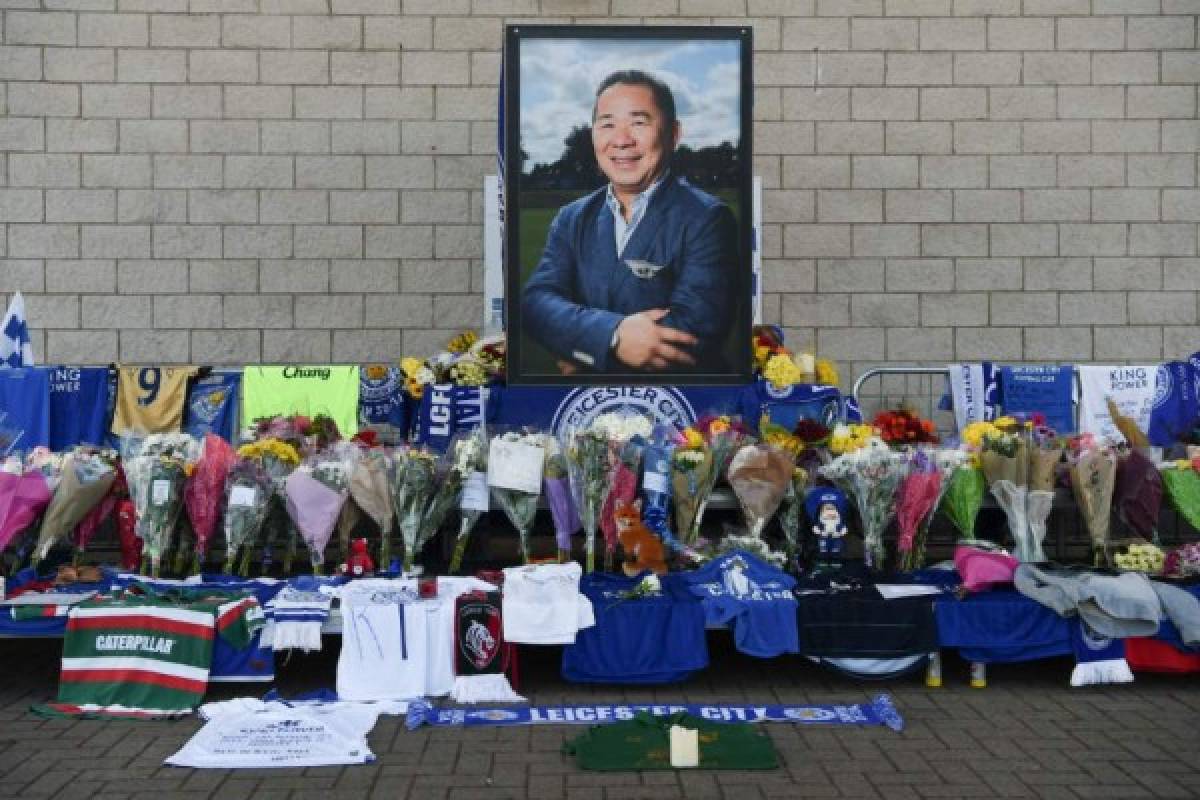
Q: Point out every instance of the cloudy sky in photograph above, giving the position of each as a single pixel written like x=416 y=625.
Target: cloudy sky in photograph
x=559 y=79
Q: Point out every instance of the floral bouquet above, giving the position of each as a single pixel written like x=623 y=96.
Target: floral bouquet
x=414 y=482
x=24 y=494
x=871 y=475
x=516 y=462
x=1093 y=466
x=586 y=452
x=760 y=475
x=1184 y=561
x=963 y=498
x=371 y=491
x=470 y=459
x=1181 y=482
x=791 y=511
x=87 y=477
x=156 y=469
x=1045 y=452
x=718 y=439
x=278 y=457
x=627 y=435
x=91 y=522
x=846 y=438
x=1138 y=494
x=463 y=456
x=314 y=496
x=557 y=488
x=918 y=497
x=904 y=427
x=203 y=495
x=248 y=491
x=693 y=475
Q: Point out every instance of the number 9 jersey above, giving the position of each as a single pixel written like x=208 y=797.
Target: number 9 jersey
x=151 y=399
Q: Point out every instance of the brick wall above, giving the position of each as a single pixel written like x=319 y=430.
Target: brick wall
x=232 y=181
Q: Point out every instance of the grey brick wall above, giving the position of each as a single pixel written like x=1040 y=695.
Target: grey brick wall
x=233 y=181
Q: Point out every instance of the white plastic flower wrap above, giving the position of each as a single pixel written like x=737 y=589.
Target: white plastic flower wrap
x=470 y=459
x=870 y=475
x=156 y=467
x=515 y=464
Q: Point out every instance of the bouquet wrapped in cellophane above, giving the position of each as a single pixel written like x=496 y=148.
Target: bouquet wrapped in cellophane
x=1093 y=470
x=314 y=496
x=25 y=491
x=248 y=490
x=870 y=474
x=556 y=485
x=371 y=491
x=203 y=496
x=273 y=459
x=461 y=459
x=760 y=475
x=156 y=467
x=414 y=481
x=86 y=477
x=586 y=452
x=917 y=499
x=627 y=434
x=516 y=462
x=470 y=458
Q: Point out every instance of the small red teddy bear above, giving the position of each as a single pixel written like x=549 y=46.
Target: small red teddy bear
x=358 y=564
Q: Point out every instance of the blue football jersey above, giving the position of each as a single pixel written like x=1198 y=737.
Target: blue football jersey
x=649 y=640
x=78 y=406
x=211 y=406
x=25 y=406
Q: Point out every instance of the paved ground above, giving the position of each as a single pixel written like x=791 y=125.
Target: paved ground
x=1027 y=735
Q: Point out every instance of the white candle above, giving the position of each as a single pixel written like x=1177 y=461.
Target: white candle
x=685 y=747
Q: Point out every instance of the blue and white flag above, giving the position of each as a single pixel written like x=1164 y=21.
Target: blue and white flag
x=15 y=348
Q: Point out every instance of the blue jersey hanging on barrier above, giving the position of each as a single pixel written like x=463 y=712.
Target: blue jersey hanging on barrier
x=79 y=406
x=382 y=399
x=211 y=406
x=25 y=406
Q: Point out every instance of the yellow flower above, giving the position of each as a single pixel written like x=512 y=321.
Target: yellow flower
x=848 y=438
x=414 y=387
x=410 y=366
x=784 y=441
x=693 y=438
x=462 y=343
x=781 y=371
x=827 y=373
x=761 y=352
x=718 y=425
x=974 y=434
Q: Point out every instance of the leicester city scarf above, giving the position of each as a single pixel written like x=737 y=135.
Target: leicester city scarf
x=1098 y=659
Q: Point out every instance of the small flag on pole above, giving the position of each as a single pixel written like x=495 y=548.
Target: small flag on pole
x=15 y=348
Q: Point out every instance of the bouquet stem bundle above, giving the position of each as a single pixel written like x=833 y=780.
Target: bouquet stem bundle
x=474 y=500
x=557 y=488
x=518 y=504
x=587 y=468
x=86 y=480
x=871 y=475
x=204 y=494
x=248 y=491
x=414 y=481
x=760 y=475
x=1093 y=478
x=791 y=511
x=371 y=491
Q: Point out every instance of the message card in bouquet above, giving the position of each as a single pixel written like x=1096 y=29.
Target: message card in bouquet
x=515 y=465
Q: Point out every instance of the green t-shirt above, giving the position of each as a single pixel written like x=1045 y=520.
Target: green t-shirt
x=302 y=389
x=644 y=743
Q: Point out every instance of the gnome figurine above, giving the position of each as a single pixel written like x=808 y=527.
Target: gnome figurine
x=826 y=508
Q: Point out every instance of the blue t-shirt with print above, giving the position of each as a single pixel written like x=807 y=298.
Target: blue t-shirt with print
x=754 y=598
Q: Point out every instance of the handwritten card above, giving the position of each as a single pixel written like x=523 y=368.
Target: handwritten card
x=475 y=493
x=515 y=465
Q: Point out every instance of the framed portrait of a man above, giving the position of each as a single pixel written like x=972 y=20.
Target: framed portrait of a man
x=627 y=204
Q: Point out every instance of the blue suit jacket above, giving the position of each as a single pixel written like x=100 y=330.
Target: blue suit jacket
x=581 y=290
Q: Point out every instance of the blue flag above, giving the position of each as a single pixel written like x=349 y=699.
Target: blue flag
x=1040 y=389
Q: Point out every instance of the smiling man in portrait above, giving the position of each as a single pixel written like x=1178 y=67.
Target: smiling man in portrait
x=638 y=275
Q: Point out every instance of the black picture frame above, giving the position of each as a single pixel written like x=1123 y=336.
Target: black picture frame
x=527 y=360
